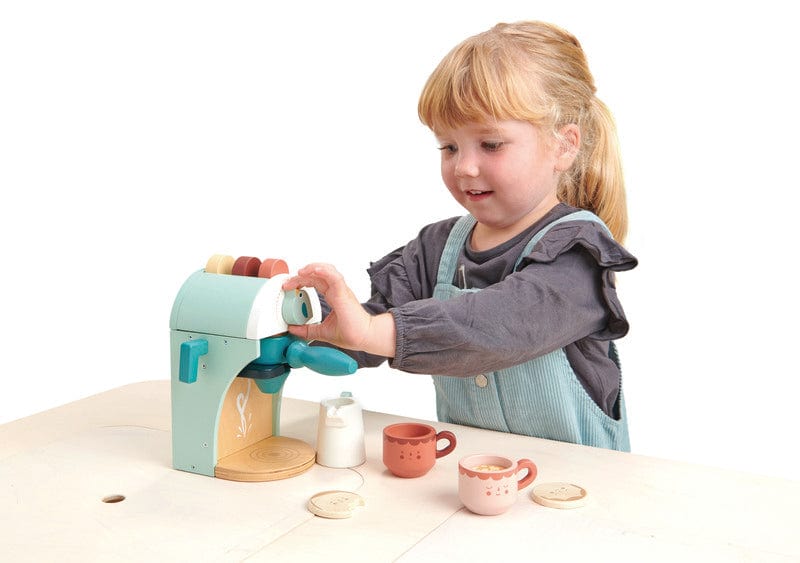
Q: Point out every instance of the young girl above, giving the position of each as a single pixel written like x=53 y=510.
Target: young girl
x=512 y=307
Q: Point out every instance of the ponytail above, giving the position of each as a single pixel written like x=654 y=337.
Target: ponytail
x=595 y=181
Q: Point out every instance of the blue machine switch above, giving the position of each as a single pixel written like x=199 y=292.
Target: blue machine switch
x=191 y=350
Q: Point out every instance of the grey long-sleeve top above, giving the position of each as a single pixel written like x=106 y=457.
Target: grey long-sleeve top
x=562 y=295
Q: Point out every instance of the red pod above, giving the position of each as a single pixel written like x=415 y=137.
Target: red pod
x=246 y=266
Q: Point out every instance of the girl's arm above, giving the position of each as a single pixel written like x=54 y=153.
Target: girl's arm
x=564 y=293
x=519 y=318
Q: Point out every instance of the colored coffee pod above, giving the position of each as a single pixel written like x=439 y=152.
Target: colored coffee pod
x=272 y=267
x=335 y=504
x=219 y=264
x=246 y=266
x=559 y=495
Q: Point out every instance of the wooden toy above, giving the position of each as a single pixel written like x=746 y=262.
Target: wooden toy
x=272 y=267
x=559 y=495
x=230 y=356
x=335 y=504
x=220 y=264
x=488 y=484
x=246 y=266
x=410 y=449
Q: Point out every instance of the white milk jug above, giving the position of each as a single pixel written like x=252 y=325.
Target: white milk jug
x=340 y=432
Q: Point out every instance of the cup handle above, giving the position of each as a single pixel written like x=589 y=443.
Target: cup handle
x=528 y=479
x=451 y=443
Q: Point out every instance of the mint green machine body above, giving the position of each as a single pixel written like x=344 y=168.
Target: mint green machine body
x=226 y=326
x=214 y=308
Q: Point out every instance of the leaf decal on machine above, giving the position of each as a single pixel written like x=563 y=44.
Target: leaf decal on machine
x=244 y=418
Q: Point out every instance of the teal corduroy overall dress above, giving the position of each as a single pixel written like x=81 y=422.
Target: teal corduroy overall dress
x=541 y=397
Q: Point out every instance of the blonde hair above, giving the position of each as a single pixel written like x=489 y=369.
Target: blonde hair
x=534 y=72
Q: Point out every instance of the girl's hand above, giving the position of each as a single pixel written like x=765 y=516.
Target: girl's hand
x=348 y=325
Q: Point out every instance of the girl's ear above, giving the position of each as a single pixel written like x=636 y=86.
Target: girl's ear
x=569 y=144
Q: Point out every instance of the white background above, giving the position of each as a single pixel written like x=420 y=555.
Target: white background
x=139 y=138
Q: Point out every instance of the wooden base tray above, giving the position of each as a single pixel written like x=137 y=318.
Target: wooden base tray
x=276 y=457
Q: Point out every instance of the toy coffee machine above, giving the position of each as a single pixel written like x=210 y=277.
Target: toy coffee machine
x=230 y=356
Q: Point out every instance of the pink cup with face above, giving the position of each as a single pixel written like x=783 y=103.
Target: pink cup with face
x=488 y=484
x=410 y=448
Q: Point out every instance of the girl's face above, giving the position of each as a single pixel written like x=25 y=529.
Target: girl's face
x=505 y=174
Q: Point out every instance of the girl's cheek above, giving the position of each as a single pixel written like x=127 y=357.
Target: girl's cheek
x=448 y=175
x=446 y=169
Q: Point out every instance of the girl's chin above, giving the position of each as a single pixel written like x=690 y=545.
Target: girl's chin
x=501 y=223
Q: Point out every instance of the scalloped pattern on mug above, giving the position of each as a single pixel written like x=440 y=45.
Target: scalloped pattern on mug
x=410 y=441
x=496 y=475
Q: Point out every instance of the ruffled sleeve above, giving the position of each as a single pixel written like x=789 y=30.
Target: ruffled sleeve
x=608 y=254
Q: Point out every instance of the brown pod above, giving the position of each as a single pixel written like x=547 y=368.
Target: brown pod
x=246 y=266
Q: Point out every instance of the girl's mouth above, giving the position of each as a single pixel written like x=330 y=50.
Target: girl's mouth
x=477 y=195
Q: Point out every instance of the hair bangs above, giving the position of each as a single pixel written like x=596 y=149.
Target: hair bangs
x=472 y=84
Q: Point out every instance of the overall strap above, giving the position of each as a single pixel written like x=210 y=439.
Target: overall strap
x=455 y=242
x=582 y=215
x=460 y=232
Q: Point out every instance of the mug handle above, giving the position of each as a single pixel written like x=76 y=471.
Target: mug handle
x=528 y=479
x=451 y=445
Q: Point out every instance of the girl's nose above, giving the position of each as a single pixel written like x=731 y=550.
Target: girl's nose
x=466 y=165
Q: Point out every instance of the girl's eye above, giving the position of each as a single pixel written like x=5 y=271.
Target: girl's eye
x=448 y=148
x=492 y=145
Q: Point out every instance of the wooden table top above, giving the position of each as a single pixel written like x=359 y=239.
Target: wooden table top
x=58 y=467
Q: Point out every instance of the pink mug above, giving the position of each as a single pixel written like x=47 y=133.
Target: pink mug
x=410 y=448
x=488 y=484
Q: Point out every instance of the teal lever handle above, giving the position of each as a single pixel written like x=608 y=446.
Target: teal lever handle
x=326 y=361
x=191 y=350
x=297 y=353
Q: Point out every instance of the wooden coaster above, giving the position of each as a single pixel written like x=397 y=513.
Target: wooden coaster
x=335 y=504
x=270 y=459
x=559 y=495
